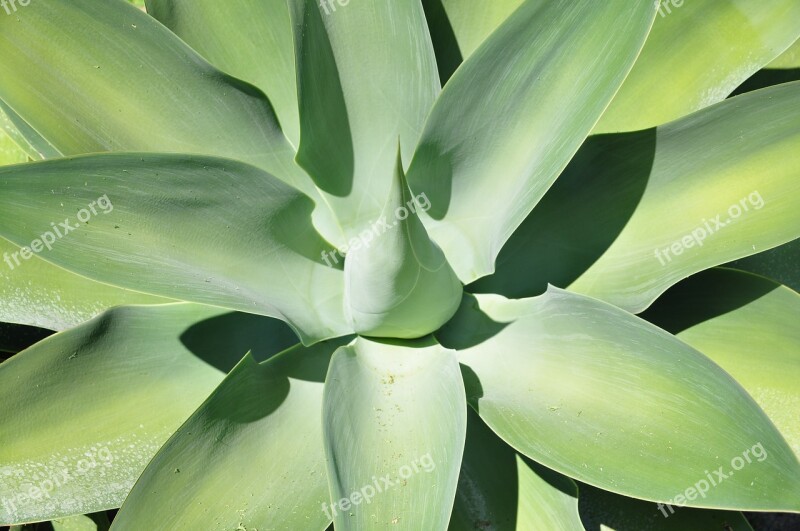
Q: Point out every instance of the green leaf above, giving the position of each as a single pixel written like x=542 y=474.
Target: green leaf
x=225 y=233
x=789 y=59
x=94 y=90
x=513 y=115
x=38 y=293
x=748 y=326
x=93 y=522
x=394 y=422
x=604 y=397
x=499 y=490
x=698 y=52
x=471 y=21
x=10 y=152
x=610 y=512
x=251 y=40
x=250 y=458
x=398 y=282
x=366 y=77
x=23 y=135
x=129 y=378
x=722 y=184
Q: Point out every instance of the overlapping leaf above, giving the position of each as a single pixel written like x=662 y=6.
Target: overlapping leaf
x=597 y=394
x=513 y=115
x=224 y=234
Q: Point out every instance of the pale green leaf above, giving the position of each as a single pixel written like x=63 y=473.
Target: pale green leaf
x=394 y=422
x=720 y=184
x=110 y=78
x=698 y=52
x=499 y=490
x=604 y=397
x=37 y=293
x=398 y=282
x=85 y=410
x=789 y=59
x=513 y=115
x=248 y=39
x=250 y=458
x=366 y=77
x=748 y=326
x=193 y=228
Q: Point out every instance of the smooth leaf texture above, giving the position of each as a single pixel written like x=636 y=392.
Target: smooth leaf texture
x=10 y=152
x=250 y=458
x=499 y=490
x=472 y=21
x=513 y=115
x=129 y=378
x=604 y=397
x=602 y=510
x=92 y=88
x=696 y=55
x=24 y=136
x=38 y=293
x=748 y=326
x=394 y=422
x=789 y=59
x=250 y=40
x=225 y=233
x=398 y=282
x=366 y=77
x=722 y=183
x=93 y=522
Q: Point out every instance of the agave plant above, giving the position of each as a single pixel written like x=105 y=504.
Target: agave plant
x=429 y=228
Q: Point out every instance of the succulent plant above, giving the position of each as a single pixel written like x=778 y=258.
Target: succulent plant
x=379 y=264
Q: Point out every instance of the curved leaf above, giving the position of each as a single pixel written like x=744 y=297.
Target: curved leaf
x=250 y=39
x=789 y=59
x=499 y=490
x=723 y=184
x=394 y=422
x=193 y=228
x=398 y=282
x=251 y=457
x=366 y=77
x=469 y=21
x=599 y=395
x=513 y=115
x=38 y=293
x=748 y=325
x=128 y=378
x=698 y=52
x=24 y=136
x=89 y=87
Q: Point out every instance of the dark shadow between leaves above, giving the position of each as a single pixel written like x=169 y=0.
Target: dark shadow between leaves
x=15 y=338
x=767 y=78
x=704 y=296
x=326 y=150
x=578 y=219
x=445 y=45
x=222 y=341
x=470 y=326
